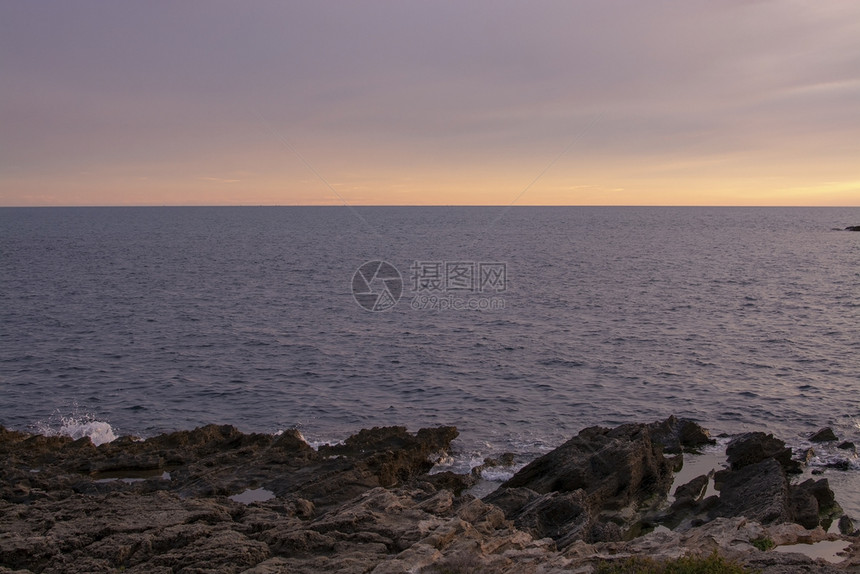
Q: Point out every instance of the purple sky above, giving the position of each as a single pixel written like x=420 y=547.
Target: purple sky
x=729 y=102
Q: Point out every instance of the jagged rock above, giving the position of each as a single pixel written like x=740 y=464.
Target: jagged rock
x=693 y=489
x=823 y=435
x=615 y=467
x=675 y=435
x=570 y=493
x=761 y=492
x=755 y=447
x=560 y=516
x=853 y=228
x=805 y=508
x=511 y=500
x=788 y=563
x=506 y=459
x=365 y=506
x=846 y=525
x=757 y=491
x=847 y=445
x=456 y=483
x=840 y=464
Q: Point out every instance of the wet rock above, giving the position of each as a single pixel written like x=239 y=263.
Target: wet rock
x=805 y=508
x=823 y=435
x=846 y=525
x=505 y=460
x=757 y=491
x=853 y=228
x=754 y=447
x=693 y=489
x=447 y=480
x=762 y=492
x=365 y=506
x=615 y=467
x=578 y=491
x=847 y=445
x=676 y=435
x=840 y=464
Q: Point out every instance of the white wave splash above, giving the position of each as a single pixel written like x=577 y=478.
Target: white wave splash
x=99 y=432
x=78 y=426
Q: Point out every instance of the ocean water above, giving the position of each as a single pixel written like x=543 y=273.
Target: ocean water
x=143 y=320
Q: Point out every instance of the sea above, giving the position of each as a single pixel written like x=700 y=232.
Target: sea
x=518 y=325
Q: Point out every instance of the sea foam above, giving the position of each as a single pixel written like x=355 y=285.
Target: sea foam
x=78 y=426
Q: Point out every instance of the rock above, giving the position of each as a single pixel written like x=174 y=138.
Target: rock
x=806 y=456
x=754 y=447
x=788 y=563
x=676 y=435
x=368 y=505
x=291 y=440
x=847 y=445
x=615 y=467
x=456 y=483
x=757 y=491
x=579 y=490
x=564 y=517
x=787 y=534
x=846 y=525
x=840 y=464
x=511 y=500
x=688 y=501
x=853 y=228
x=813 y=504
x=823 y=435
x=693 y=489
x=804 y=507
x=504 y=460
x=762 y=492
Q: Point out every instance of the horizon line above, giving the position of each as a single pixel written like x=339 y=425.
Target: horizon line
x=500 y=205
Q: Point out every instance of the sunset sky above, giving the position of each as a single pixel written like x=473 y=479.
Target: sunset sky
x=413 y=103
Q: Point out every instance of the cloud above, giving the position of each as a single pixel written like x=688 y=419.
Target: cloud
x=394 y=91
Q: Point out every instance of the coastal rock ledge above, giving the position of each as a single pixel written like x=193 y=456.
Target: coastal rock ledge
x=372 y=504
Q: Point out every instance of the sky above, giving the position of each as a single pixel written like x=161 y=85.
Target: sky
x=604 y=102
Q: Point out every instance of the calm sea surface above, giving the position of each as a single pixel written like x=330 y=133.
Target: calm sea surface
x=155 y=319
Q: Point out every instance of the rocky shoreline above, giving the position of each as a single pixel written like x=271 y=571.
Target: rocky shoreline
x=372 y=504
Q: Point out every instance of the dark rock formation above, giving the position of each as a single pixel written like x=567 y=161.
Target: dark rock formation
x=755 y=447
x=757 y=486
x=676 y=435
x=823 y=435
x=615 y=467
x=369 y=505
x=758 y=491
x=577 y=491
x=853 y=228
x=810 y=500
x=220 y=460
x=693 y=489
x=840 y=464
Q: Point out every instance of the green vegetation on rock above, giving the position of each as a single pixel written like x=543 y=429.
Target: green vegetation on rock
x=713 y=564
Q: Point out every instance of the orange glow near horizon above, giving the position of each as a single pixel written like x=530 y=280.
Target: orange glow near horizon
x=588 y=187
x=581 y=103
